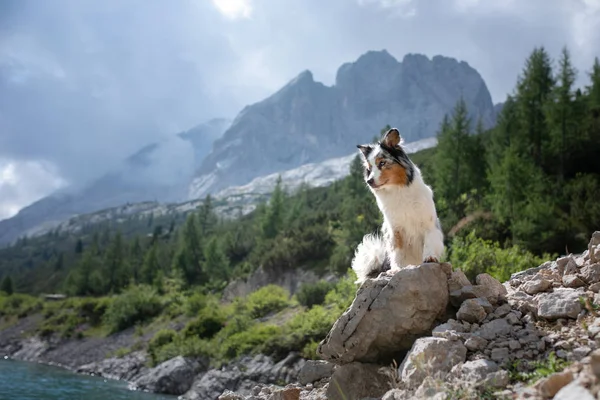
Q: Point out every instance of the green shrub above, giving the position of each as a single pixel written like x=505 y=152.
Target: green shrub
x=309 y=351
x=195 y=303
x=206 y=325
x=180 y=346
x=20 y=305
x=249 y=341
x=313 y=294
x=266 y=300
x=475 y=256
x=160 y=339
x=301 y=330
x=93 y=310
x=136 y=304
x=343 y=293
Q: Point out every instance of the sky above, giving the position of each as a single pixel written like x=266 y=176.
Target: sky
x=85 y=83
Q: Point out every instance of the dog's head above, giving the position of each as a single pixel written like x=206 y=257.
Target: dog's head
x=386 y=163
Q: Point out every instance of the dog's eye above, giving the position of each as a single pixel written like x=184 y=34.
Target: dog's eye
x=381 y=164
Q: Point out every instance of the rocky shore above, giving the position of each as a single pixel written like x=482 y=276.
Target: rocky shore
x=425 y=332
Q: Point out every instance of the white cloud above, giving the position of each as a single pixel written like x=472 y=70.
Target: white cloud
x=22 y=183
x=234 y=9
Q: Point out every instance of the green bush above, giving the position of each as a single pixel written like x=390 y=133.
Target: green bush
x=136 y=304
x=309 y=351
x=206 y=325
x=313 y=294
x=194 y=304
x=249 y=341
x=266 y=300
x=93 y=310
x=342 y=294
x=180 y=346
x=20 y=305
x=160 y=339
x=301 y=330
x=475 y=256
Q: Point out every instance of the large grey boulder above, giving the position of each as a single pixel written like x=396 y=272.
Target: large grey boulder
x=174 y=376
x=388 y=315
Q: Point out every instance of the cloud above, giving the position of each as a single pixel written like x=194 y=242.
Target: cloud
x=84 y=84
x=14 y=194
x=234 y=9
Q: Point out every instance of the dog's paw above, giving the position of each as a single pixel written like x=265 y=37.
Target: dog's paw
x=392 y=271
x=431 y=259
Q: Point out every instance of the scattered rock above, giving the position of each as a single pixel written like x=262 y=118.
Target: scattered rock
x=229 y=395
x=562 y=303
x=291 y=393
x=313 y=371
x=475 y=371
x=549 y=386
x=572 y=281
x=536 y=285
x=430 y=356
x=574 y=391
x=457 y=280
x=591 y=273
x=356 y=381
x=471 y=311
x=476 y=343
x=495 y=328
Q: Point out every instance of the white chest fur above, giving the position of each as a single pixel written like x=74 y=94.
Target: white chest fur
x=409 y=226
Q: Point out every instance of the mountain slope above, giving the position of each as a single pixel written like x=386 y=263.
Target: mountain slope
x=307 y=122
x=159 y=171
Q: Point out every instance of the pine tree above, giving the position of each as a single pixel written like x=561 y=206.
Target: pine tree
x=274 y=217
x=216 y=262
x=189 y=257
x=59 y=263
x=82 y=281
x=79 y=246
x=534 y=88
x=206 y=216
x=136 y=259
x=7 y=285
x=453 y=174
x=115 y=264
x=561 y=117
x=151 y=265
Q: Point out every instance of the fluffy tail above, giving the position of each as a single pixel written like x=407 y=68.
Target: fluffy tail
x=369 y=258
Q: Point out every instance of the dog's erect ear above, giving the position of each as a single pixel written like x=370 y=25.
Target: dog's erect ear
x=365 y=150
x=392 y=138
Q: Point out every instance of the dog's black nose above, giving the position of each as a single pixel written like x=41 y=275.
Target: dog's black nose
x=371 y=182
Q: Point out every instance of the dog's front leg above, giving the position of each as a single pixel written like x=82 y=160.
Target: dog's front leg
x=433 y=245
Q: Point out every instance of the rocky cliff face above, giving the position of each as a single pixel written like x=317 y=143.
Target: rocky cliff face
x=307 y=122
x=159 y=171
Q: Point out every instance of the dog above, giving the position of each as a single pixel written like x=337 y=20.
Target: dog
x=411 y=229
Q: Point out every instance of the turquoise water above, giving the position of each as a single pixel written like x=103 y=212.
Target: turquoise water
x=29 y=381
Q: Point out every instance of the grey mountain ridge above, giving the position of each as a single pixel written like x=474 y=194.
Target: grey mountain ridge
x=306 y=121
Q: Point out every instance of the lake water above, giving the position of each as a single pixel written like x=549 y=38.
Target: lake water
x=30 y=381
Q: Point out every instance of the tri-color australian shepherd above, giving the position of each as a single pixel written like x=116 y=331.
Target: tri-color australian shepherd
x=411 y=230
